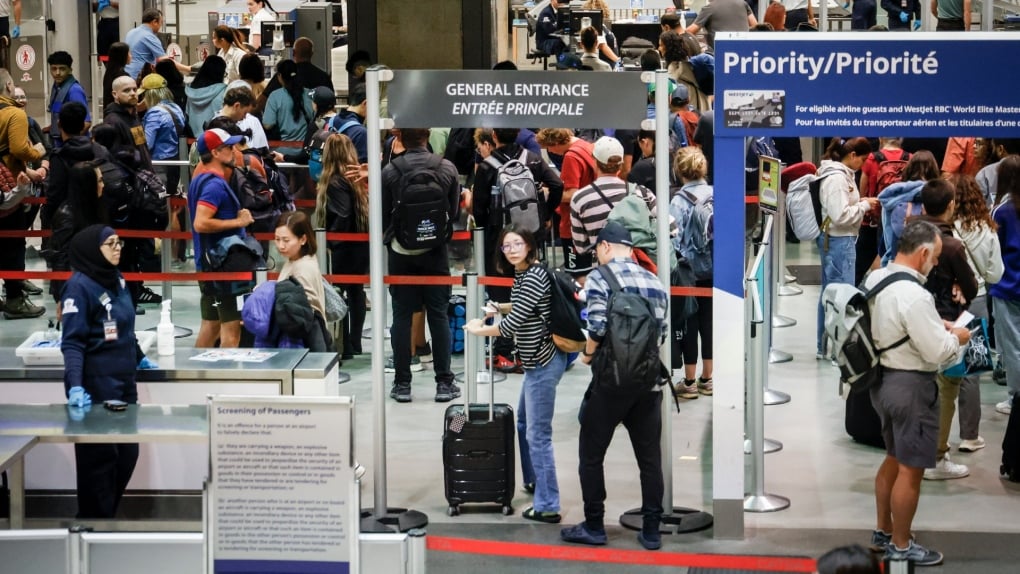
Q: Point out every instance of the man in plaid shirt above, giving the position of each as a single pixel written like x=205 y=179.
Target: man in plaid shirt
x=602 y=411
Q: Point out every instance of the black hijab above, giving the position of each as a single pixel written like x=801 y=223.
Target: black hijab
x=86 y=256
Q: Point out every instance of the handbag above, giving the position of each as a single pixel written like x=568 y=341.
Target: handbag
x=977 y=355
x=336 y=307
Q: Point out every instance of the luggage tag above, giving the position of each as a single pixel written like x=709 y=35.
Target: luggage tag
x=109 y=325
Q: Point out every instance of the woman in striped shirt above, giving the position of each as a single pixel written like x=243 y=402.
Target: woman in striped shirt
x=527 y=322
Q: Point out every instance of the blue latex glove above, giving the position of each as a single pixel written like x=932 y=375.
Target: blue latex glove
x=917 y=24
x=15 y=31
x=147 y=363
x=102 y=5
x=77 y=397
x=904 y=17
x=846 y=6
x=77 y=414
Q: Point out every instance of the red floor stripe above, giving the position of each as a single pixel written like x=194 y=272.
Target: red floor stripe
x=612 y=556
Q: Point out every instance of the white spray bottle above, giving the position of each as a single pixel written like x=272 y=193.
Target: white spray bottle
x=165 y=332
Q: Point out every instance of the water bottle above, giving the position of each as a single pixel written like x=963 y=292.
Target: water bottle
x=496 y=203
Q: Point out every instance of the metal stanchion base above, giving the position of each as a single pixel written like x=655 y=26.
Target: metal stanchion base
x=788 y=290
x=780 y=321
x=395 y=520
x=771 y=446
x=367 y=333
x=777 y=356
x=773 y=398
x=343 y=377
x=483 y=377
x=788 y=277
x=765 y=503
x=179 y=332
x=680 y=521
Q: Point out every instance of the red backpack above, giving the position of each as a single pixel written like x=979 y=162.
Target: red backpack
x=890 y=171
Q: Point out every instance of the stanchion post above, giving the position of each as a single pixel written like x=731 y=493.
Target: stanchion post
x=757 y=366
x=771 y=397
x=675 y=519
x=471 y=343
x=322 y=254
x=381 y=518
x=261 y=274
x=782 y=280
x=166 y=258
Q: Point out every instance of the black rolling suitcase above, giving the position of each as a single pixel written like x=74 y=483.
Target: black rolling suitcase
x=1010 y=469
x=479 y=454
x=862 y=422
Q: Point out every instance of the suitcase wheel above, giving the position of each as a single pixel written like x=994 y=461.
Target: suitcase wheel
x=453 y=511
x=508 y=510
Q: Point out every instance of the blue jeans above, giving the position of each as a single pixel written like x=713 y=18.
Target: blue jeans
x=838 y=263
x=534 y=431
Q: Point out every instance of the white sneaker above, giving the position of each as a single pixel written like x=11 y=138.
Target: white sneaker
x=1005 y=407
x=972 y=445
x=946 y=469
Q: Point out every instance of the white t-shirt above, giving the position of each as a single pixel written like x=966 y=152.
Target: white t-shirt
x=255 y=28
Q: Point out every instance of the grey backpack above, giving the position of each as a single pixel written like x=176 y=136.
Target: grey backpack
x=518 y=193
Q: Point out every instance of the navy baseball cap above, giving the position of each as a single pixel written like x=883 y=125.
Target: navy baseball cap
x=615 y=232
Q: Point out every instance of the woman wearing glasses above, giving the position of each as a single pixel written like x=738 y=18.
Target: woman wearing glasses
x=100 y=359
x=527 y=323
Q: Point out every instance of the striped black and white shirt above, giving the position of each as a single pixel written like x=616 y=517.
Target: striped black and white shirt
x=589 y=212
x=530 y=312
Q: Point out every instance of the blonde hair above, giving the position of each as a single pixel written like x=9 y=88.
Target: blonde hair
x=338 y=154
x=597 y=5
x=690 y=164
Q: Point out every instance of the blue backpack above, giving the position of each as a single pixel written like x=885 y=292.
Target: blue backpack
x=319 y=141
x=895 y=220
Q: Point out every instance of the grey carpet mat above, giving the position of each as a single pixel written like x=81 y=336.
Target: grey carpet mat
x=806 y=274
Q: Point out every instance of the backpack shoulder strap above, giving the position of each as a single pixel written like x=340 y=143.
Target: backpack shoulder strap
x=605 y=199
x=892 y=278
x=494 y=161
x=346 y=126
x=879 y=156
x=611 y=279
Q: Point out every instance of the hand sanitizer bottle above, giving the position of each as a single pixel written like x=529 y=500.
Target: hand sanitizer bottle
x=165 y=332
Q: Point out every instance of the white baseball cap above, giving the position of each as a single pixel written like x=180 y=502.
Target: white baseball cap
x=606 y=148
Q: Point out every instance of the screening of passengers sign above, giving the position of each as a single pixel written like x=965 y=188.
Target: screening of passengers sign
x=497 y=99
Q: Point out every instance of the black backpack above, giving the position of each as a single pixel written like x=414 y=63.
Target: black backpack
x=136 y=197
x=565 y=323
x=628 y=361
x=421 y=214
x=255 y=195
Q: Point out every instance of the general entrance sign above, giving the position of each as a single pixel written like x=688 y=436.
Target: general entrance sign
x=492 y=99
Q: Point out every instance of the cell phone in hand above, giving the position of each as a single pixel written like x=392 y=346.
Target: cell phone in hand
x=115 y=405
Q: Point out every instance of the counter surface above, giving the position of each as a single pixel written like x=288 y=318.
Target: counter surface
x=139 y=423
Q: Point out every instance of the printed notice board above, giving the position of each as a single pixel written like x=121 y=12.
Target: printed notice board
x=282 y=496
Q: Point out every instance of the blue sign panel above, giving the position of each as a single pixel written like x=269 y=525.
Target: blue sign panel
x=867 y=84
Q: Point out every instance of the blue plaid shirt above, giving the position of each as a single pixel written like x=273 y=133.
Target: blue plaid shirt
x=633 y=278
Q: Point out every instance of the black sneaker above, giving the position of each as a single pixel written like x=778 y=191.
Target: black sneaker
x=148 y=296
x=999 y=374
x=401 y=392
x=446 y=392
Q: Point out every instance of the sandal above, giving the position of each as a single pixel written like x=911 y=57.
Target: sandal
x=547 y=517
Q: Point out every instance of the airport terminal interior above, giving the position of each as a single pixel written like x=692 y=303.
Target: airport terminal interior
x=827 y=477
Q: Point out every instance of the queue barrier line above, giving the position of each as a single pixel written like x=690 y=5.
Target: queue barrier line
x=616 y=556
x=138 y=276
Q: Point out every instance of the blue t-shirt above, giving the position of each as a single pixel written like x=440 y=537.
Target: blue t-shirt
x=212 y=191
x=279 y=114
x=145 y=49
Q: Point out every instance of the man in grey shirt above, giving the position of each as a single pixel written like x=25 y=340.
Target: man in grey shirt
x=953 y=15
x=723 y=16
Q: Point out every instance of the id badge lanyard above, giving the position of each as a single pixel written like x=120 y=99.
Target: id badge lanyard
x=109 y=325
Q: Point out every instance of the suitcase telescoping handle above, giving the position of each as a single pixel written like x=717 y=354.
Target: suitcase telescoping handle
x=492 y=395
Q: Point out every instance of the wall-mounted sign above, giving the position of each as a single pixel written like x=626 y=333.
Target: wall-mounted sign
x=492 y=99
x=867 y=83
